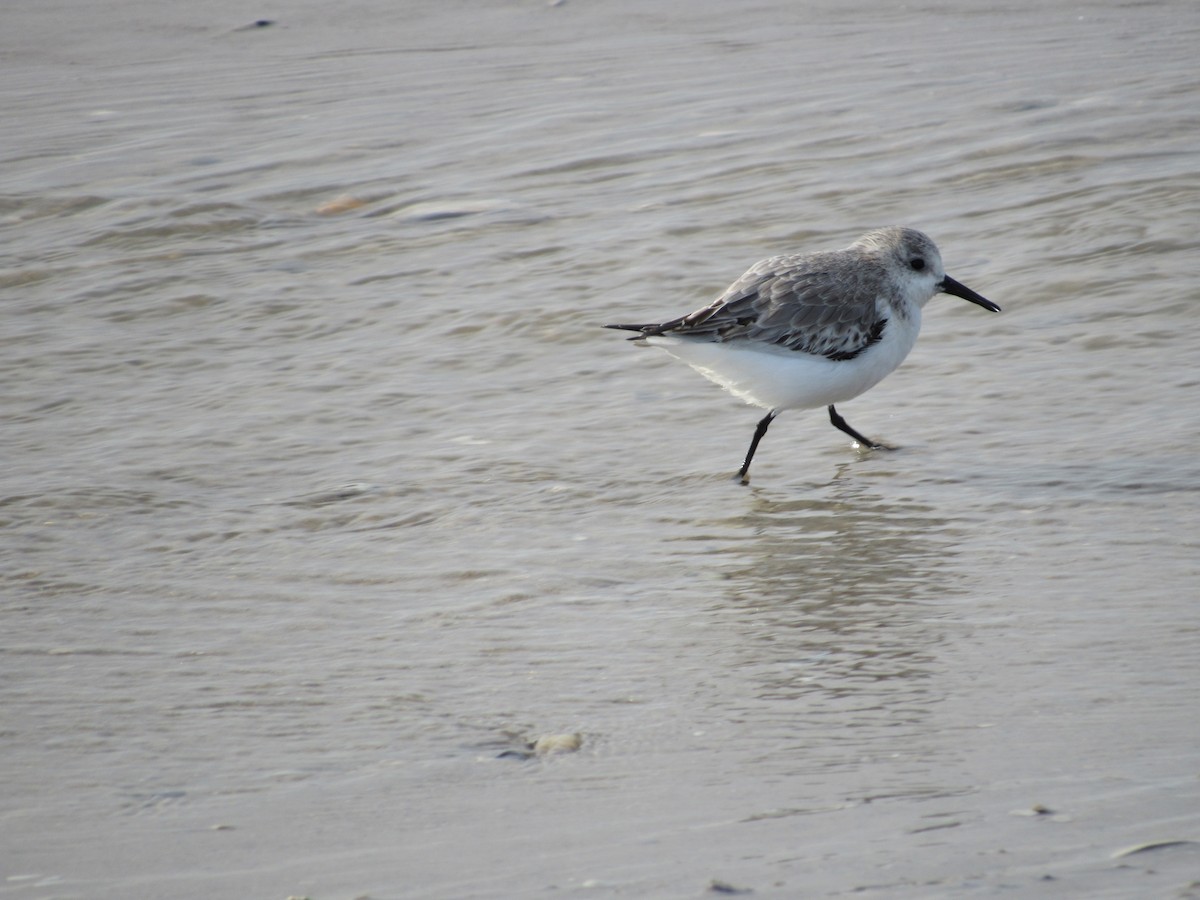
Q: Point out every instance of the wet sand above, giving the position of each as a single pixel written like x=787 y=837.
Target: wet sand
x=325 y=495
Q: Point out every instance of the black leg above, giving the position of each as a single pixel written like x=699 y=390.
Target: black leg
x=758 y=434
x=842 y=425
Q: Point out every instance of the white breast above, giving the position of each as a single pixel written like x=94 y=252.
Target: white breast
x=774 y=378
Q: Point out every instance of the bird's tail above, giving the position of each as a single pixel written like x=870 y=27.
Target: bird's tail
x=642 y=330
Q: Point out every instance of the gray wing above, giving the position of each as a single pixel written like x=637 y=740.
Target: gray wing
x=814 y=304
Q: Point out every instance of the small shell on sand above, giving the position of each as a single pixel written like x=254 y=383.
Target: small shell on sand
x=557 y=743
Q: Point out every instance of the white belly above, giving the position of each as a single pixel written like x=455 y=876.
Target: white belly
x=774 y=378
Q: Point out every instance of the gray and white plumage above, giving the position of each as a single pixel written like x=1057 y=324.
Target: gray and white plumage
x=813 y=329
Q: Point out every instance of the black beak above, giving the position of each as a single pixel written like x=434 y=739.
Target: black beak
x=950 y=286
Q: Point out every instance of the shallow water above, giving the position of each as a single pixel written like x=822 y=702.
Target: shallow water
x=323 y=488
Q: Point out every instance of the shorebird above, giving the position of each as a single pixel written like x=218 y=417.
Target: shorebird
x=814 y=329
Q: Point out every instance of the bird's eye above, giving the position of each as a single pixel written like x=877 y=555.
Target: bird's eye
x=917 y=263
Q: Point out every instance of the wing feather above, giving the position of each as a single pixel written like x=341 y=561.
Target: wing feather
x=814 y=304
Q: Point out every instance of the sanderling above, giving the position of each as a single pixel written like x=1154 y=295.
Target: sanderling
x=798 y=332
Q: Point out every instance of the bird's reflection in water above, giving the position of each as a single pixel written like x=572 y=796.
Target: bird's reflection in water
x=838 y=598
